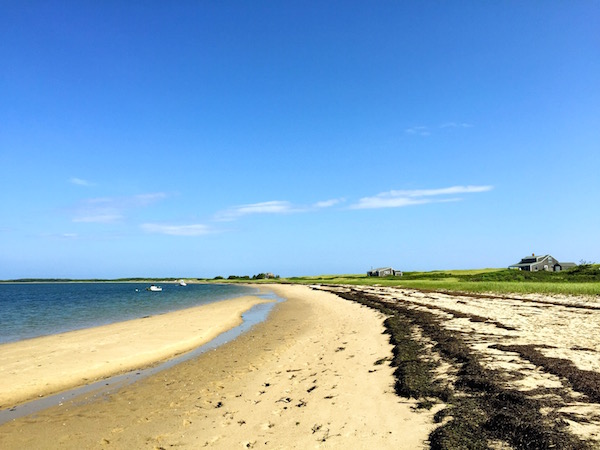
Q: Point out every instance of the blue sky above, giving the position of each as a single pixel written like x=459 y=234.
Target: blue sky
x=196 y=139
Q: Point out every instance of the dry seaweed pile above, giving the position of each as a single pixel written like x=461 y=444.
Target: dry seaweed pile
x=486 y=407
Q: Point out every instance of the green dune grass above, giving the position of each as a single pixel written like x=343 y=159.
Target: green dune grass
x=581 y=280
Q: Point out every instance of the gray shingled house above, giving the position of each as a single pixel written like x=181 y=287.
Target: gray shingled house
x=535 y=263
x=384 y=272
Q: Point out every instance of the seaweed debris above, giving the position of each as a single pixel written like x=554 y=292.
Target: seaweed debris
x=480 y=408
x=584 y=381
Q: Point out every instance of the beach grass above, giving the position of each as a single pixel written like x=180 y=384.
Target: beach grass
x=581 y=280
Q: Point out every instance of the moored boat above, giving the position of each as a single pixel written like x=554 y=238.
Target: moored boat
x=154 y=288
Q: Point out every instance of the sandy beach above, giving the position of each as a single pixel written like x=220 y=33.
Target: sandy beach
x=532 y=361
x=305 y=378
x=38 y=367
x=311 y=376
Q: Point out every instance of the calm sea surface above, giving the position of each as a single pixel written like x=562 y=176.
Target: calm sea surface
x=37 y=309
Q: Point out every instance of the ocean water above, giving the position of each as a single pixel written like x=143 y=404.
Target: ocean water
x=30 y=310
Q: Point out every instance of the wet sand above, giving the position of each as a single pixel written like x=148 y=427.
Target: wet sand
x=46 y=365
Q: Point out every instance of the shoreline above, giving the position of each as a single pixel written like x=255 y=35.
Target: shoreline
x=64 y=307
x=47 y=365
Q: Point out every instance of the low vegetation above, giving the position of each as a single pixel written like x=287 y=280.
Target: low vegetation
x=580 y=280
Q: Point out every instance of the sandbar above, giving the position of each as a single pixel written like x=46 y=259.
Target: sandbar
x=46 y=365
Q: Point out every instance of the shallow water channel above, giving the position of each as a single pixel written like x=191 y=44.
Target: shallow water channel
x=108 y=386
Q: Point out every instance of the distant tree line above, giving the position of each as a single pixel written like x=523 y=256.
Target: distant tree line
x=260 y=276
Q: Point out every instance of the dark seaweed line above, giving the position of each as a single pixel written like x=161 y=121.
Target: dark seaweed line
x=462 y=315
x=504 y=297
x=479 y=409
x=584 y=381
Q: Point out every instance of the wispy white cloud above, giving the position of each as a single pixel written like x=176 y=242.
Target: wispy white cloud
x=196 y=229
x=328 y=203
x=398 y=199
x=146 y=199
x=60 y=236
x=420 y=130
x=424 y=130
x=442 y=191
x=97 y=216
x=80 y=182
x=456 y=125
x=272 y=207
x=112 y=209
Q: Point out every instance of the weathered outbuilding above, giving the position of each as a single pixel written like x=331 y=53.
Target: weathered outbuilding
x=384 y=272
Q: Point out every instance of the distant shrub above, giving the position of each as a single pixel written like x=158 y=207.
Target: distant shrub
x=578 y=274
x=426 y=275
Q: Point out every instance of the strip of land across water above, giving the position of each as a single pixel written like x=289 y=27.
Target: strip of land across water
x=340 y=367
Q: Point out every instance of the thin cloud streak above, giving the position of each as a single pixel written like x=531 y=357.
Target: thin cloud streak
x=177 y=230
x=271 y=207
x=401 y=198
x=435 y=192
x=456 y=125
x=424 y=130
x=146 y=199
x=112 y=209
x=328 y=203
x=80 y=182
x=418 y=130
x=97 y=217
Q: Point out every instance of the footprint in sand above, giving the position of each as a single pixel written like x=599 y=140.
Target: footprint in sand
x=267 y=426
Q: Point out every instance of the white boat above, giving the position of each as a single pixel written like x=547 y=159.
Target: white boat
x=182 y=283
x=154 y=288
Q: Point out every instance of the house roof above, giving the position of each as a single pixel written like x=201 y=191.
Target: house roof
x=530 y=260
x=567 y=264
x=521 y=265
